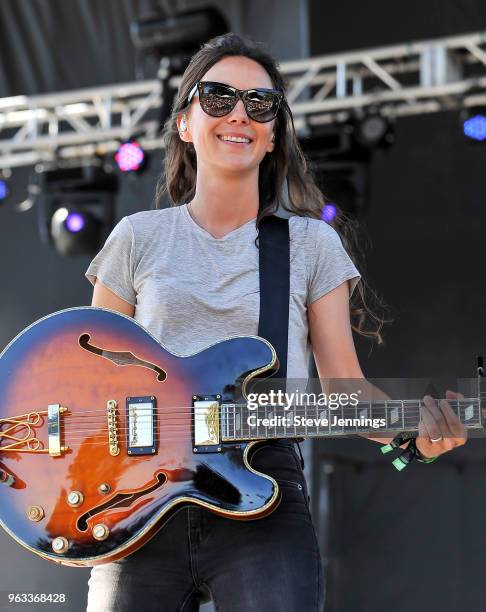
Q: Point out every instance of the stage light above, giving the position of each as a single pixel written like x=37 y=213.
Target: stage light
x=75 y=222
x=3 y=190
x=345 y=186
x=130 y=156
x=373 y=130
x=475 y=127
x=5 y=174
x=171 y=39
x=328 y=212
x=179 y=33
x=76 y=209
x=75 y=232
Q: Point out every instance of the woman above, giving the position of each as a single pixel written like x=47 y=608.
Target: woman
x=189 y=273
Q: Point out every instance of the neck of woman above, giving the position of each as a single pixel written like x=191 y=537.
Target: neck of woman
x=221 y=205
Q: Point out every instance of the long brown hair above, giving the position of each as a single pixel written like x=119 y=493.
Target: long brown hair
x=286 y=168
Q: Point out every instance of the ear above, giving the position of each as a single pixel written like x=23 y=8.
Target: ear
x=271 y=144
x=183 y=127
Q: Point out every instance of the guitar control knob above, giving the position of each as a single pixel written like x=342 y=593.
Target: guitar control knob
x=35 y=513
x=60 y=545
x=100 y=531
x=104 y=488
x=75 y=498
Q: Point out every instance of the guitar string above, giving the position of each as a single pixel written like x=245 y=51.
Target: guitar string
x=72 y=423
x=175 y=421
x=229 y=422
x=187 y=433
x=228 y=437
x=259 y=433
x=305 y=411
x=162 y=420
x=364 y=404
x=188 y=438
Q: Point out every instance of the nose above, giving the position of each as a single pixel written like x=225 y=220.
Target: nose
x=238 y=114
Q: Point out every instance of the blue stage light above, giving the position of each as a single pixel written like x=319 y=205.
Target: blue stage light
x=3 y=189
x=75 y=222
x=475 y=127
x=329 y=212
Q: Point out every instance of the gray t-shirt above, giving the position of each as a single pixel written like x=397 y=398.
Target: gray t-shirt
x=191 y=290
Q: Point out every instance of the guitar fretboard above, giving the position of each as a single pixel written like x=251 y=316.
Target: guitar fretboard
x=238 y=422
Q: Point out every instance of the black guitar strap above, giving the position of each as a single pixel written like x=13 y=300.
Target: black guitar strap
x=273 y=324
x=274 y=255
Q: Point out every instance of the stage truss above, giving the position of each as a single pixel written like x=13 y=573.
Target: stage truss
x=408 y=79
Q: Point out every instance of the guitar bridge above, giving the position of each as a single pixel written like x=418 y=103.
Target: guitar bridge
x=206 y=423
x=112 y=428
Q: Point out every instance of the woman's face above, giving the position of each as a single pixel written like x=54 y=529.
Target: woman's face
x=205 y=131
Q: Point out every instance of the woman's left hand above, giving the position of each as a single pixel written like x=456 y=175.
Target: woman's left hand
x=440 y=429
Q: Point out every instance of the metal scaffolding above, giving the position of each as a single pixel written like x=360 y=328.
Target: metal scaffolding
x=407 y=79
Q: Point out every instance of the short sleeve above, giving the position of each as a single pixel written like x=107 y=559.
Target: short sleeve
x=114 y=264
x=330 y=264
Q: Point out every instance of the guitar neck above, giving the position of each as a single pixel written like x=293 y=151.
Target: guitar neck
x=375 y=417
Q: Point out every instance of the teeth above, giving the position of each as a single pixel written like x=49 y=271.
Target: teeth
x=234 y=139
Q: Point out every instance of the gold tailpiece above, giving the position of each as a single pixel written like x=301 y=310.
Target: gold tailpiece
x=25 y=440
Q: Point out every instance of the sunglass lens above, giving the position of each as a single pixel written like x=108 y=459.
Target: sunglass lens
x=262 y=106
x=217 y=100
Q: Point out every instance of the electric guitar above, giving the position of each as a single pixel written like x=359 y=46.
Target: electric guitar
x=104 y=433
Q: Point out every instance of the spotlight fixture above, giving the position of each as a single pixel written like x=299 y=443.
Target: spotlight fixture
x=345 y=186
x=4 y=191
x=171 y=39
x=179 y=33
x=130 y=156
x=373 y=130
x=75 y=231
x=4 y=186
x=340 y=169
x=473 y=121
x=76 y=209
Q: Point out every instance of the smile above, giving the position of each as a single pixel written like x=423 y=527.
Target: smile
x=236 y=142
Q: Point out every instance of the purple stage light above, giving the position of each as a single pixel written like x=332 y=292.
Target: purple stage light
x=130 y=156
x=75 y=222
x=3 y=190
x=475 y=128
x=328 y=213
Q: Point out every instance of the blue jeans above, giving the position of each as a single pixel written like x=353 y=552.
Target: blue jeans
x=270 y=564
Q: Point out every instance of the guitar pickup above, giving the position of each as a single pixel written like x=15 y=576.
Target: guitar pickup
x=141 y=419
x=206 y=423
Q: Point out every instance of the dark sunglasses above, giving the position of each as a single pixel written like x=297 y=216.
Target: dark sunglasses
x=218 y=99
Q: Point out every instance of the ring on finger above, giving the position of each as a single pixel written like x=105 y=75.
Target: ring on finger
x=436 y=439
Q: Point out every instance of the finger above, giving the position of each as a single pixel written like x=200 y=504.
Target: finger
x=428 y=416
x=433 y=407
x=453 y=422
x=458 y=396
x=426 y=447
x=454 y=394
